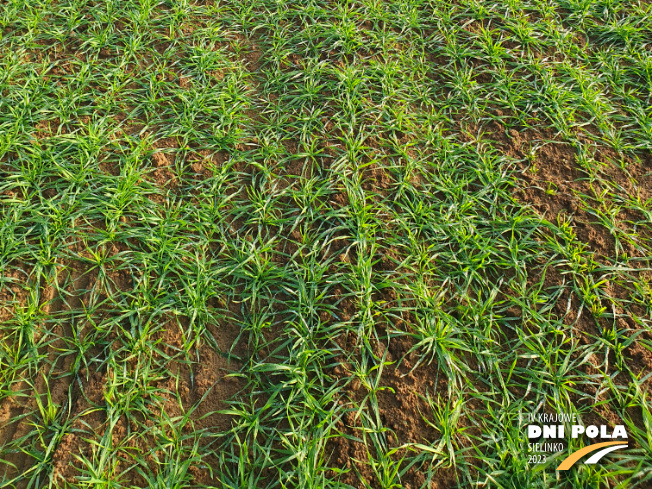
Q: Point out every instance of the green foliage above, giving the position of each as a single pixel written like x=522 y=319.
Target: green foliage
x=308 y=172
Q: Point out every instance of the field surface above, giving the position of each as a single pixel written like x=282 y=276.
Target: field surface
x=322 y=244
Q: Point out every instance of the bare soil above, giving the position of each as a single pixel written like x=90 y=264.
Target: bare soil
x=404 y=413
x=201 y=386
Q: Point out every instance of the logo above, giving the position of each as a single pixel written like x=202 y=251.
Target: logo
x=553 y=427
x=575 y=456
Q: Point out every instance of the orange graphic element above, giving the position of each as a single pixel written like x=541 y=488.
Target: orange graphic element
x=574 y=457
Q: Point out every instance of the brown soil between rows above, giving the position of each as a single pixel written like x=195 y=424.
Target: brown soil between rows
x=204 y=393
x=402 y=409
x=628 y=178
x=201 y=385
x=554 y=181
x=18 y=408
x=405 y=415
